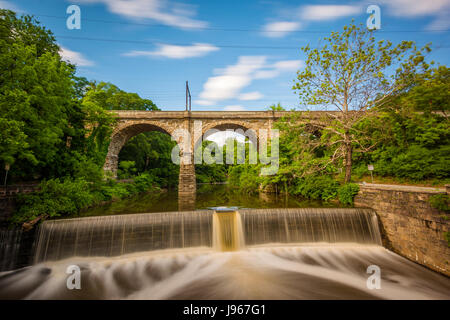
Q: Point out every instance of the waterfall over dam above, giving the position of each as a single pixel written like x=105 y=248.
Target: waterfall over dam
x=109 y=236
x=319 y=253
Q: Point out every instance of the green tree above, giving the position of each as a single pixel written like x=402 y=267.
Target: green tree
x=351 y=73
x=110 y=97
x=13 y=142
x=36 y=93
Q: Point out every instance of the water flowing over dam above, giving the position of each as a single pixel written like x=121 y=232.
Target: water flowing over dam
x=320 y=253
x=117 y=235
x=122 y=234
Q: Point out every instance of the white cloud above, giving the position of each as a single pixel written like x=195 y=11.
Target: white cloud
x=442 y=22
x=176 y=52
x=327 y=12
x=440 y=9
x=221 y=137
x=204 y=102
x=162 y=11
x=280 y=29
x=413 y=8
x=310 y=13
x=266 y=74
x=277 y=68
x=228 y=82
x=288 y=65
x=232 y=79
x=254 y=95
x=8 y=5
x=74 y=57
x=234 y=108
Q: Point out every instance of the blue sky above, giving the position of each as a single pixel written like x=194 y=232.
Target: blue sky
x=236 y=55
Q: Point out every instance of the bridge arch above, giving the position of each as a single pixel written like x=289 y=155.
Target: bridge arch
x=241 y=127
x=123 y=133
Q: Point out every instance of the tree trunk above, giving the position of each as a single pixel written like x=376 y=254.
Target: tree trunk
x=348 y=162
x=147 y=160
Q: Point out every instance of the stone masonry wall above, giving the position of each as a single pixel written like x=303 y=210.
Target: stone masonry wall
x=409 y=225
x=7 y=199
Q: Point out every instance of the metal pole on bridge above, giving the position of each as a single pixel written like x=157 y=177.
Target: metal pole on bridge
x=186 y=96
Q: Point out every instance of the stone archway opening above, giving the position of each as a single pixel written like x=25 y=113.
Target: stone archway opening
x=149 y=153
x=122 y=136
x=223 y=145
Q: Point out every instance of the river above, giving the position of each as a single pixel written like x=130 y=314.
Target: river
x=208 y=196
x=258 y=247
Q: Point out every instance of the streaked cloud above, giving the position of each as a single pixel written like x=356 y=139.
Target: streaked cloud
x=8 y=5
x=414 y=8
x=280 y=29
x=327 y=12
x=231 y=79
x=175 y=51
x=228 y=82
x=162 y=11
x=308 y=13
x=234 y=108
x=288 y=65
x=439 y=9
x=74 y=57
x=248 y=96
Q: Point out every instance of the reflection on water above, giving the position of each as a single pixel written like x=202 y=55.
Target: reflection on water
x=207 y=196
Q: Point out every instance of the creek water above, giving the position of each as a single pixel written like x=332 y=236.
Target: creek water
x=274 y=252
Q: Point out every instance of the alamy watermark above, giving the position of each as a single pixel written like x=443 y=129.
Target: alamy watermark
x=374 y=20
x=74 y=278
x=374 y=281
x=74 y=20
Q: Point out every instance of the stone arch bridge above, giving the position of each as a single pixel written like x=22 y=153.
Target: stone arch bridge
x=132 y=123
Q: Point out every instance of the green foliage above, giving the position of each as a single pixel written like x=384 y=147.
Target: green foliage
x=126 y=169
x=316 y=187
x=144 y=182
x=110 y=97
x=214 y=172
x=447 y=237
x=412 y=145
x=43 y=120
x=13 y=142
x=347 y=193
x=351 y=74
x=276 y=107
x=245 y=177
x=440 y=201
x=54 y=198
x=151 y=152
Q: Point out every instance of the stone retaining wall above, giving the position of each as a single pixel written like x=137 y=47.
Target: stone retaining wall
x=8 y=199
x=409 y=225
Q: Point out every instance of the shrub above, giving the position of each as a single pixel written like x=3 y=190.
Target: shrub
x=440 y=201
x=316 y=187
x=54 y=198
x=347 y=193
x=447 y=237
x=144 y=182
x=245 y=177
x=126 y=169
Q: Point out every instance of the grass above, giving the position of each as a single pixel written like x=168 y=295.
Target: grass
x=392 y=180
